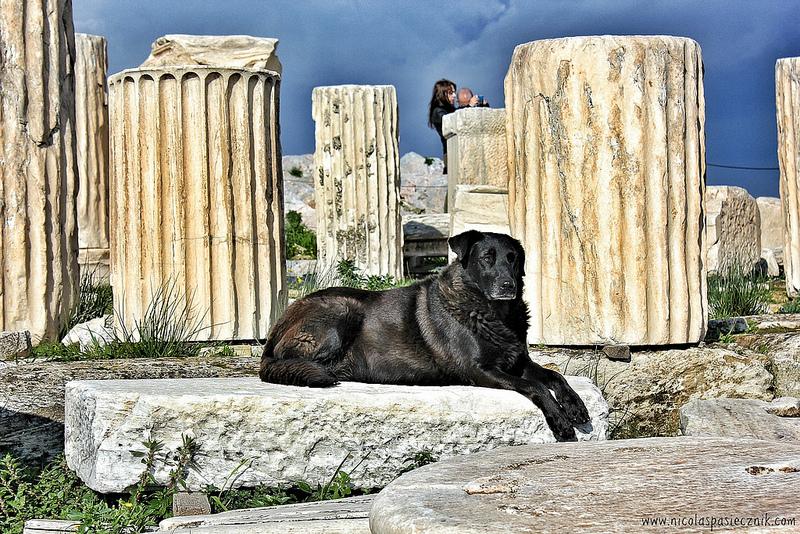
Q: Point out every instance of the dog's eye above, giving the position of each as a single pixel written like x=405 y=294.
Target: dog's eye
x=511 y=257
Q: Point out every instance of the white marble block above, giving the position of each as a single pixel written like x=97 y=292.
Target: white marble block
x=733 y=229
x=479 y=207
x=477 y=153
x=38 y=174
x=357 y=180
x=197 y=195
x=91 y=127
x=787 y=99
x=606 y=144
x=288 y=433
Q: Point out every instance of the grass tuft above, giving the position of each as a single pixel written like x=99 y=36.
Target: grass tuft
x=735 y=293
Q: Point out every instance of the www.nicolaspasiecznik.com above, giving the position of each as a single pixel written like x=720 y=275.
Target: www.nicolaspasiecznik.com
x=717 y=522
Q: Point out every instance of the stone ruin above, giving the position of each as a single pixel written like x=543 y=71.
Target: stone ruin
x=197 y=185
x=787 y=86
x=771 y=214
x=601 y=131
x=38 y=171
x=177 y=215
x=733 y=229
x=357 y=183
x=91 y=127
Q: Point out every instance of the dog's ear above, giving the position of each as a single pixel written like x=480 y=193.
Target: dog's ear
x=520 y=264
x=462 y=243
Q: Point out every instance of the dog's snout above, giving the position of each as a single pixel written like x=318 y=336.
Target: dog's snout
x=507 y=284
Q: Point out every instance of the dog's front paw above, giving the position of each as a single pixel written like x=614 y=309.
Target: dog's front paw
x=576 y=411
x=562 y=429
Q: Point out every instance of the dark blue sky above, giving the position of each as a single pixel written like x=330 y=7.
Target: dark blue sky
x=412 y=44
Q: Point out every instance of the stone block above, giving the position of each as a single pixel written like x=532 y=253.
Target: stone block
x=229 y=51
x=787 y=87
x=737 y=418
x=91 y=127
x=479 y=207
x=733 y=229
x=32 y=393
x=606 y=144
x=197 y=199
x=477 y=153
x=771 y=214
x=645 y=394
x=612 y=486
x=38 y=173
x=288 y=433
x=357 y=162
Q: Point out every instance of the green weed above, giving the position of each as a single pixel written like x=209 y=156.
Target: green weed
x=735 y=292
x=301 y=241
x=793 y=306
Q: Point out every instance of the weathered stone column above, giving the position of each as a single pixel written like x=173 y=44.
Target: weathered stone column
x=38 y=177
x=91 y=127
x=357 y=181
x=196 y=191
x=787 y=99
x=606 y=148
x=476 y=149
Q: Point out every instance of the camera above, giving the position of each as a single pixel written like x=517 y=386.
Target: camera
x=481 y=102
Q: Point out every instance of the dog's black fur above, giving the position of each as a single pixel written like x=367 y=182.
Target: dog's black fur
x=468 y=326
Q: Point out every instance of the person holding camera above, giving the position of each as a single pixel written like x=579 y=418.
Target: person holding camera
x=466 y=98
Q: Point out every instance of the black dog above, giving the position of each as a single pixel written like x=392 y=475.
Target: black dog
x=467 y=326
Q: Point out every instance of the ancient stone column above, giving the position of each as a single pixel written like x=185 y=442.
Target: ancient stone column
x=38 y=176
x=358 y=178
x=196 y=190
x=787 y=99
x=733 y=229
x=91 y=127
x=476 y=149
x=606 y=146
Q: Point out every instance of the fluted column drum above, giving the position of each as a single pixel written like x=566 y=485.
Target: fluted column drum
x=38 y=175
x=357 y=182
x=787 y=99
x=91 y=126
x=606 y=140
x=197 y=195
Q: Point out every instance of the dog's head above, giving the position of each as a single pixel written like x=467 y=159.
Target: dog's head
x=493 y=262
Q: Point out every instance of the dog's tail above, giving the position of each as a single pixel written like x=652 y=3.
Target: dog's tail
x=296 y=372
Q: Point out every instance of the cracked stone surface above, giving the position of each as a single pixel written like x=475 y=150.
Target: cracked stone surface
x=286 y=433
x=609 y=486
x=611 y=225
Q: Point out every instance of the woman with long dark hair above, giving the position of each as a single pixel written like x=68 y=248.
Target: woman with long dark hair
x=442 y=102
